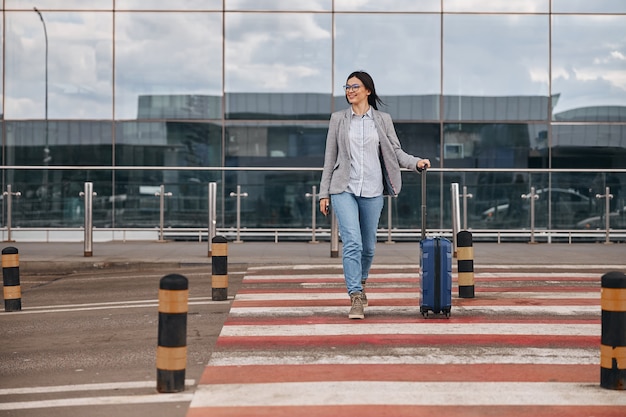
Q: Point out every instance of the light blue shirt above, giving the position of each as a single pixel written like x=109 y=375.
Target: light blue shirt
x=366 y=177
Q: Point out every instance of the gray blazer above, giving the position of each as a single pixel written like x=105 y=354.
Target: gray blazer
x=336 y=173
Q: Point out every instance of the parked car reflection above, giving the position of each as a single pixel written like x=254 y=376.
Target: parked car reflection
x=617 y=220
x=568 y=208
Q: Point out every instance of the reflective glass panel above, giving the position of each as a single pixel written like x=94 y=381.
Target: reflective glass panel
x=67 y=143
x=60 y=4
x=512 y=6
x=168 y=5
x=271 y=106
x=588 y=66
x=135 y=204
x=589 y=146
x=403 y=59
x=387 y=6
x=79 y=65
x=174 y=143
x=51 y=197
x=284 y=5
x=495 y=56
x=275 y=144
x=585 y=6
x=162 y=55
x=471 y=145
x=274 y=199
x=278 y=53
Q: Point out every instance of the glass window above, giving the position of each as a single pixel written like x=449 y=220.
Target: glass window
x=585 y=6
x=58 y=143
x=494 y=56
x=271 y=106
x=135 y=204
x=588 y=65
x=403 y=59
x=173 y=54
x=284 y=5
x=184 y=144
x=79 y=65
x=278 y=53
x=272 y=144
x=477 y=145
x=510 y=6
x=598 y=146
x=387 y=6
x=59 y=4
x=168 y=5
x=51 y=197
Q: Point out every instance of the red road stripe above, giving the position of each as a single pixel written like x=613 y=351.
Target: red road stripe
x=392 y=340
x=391 y=290
x=410 y=411
x=252 y=374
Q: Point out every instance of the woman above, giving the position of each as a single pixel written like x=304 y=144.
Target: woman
x=362 y=162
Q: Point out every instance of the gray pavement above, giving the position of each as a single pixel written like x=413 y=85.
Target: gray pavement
x=57 y=257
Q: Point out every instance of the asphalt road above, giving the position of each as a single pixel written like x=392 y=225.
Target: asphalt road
x=90 y=338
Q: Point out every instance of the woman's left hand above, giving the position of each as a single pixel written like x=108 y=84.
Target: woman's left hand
x=423 y=164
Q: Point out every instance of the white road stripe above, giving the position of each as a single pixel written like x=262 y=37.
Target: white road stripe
x=106 y=306
x=95 y=401
x=431 y=355
x=373 y=295
x=84 y=387
x=416 y=275
x=439 y=328
x=573 y=310
x=330 y=393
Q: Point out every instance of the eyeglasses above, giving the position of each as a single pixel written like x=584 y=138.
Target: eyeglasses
x=353 y=87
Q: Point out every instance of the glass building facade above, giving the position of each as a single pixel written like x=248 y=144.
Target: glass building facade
x=501 y=95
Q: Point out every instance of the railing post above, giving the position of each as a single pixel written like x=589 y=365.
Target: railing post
x=212 y=215
x=88 y=195
x=456 y=215
x=532 y=196
x=238 y=194
x=313 y=196
x=465 y=197
x=607 y=212
x=162 y=194
x=9 y=194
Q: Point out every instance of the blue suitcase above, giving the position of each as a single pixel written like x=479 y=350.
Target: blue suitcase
x=436 y=265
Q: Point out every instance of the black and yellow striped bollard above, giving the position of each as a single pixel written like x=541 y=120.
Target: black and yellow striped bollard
x=465 y=264
x=613 y=341
x=219 y=263
x=11 y=279
x=172 y=349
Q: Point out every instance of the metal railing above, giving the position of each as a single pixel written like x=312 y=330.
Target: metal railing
x=608 y=232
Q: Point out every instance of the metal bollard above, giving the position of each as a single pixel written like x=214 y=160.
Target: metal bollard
x=212 y=215
x=11 y=279
x=239 y=194
x=465 y=264
x=88 y=195
x=313 y=195
x=613 y=341
x=456 y=216
x=172 y=349
x=9 y=197
x=219 y=263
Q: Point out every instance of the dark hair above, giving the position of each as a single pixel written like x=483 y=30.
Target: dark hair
x=368 y=83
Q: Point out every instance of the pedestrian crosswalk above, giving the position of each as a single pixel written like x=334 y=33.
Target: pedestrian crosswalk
x=527 y=344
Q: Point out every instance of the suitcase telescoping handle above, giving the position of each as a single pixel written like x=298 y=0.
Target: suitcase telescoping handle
x=423 y=173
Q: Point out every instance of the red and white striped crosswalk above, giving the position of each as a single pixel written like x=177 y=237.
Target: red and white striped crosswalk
x=527 y=344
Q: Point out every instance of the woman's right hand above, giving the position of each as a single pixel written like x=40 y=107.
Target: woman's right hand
x=324 y=204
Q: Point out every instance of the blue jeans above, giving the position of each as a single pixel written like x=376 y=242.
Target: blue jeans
x=358 y=221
